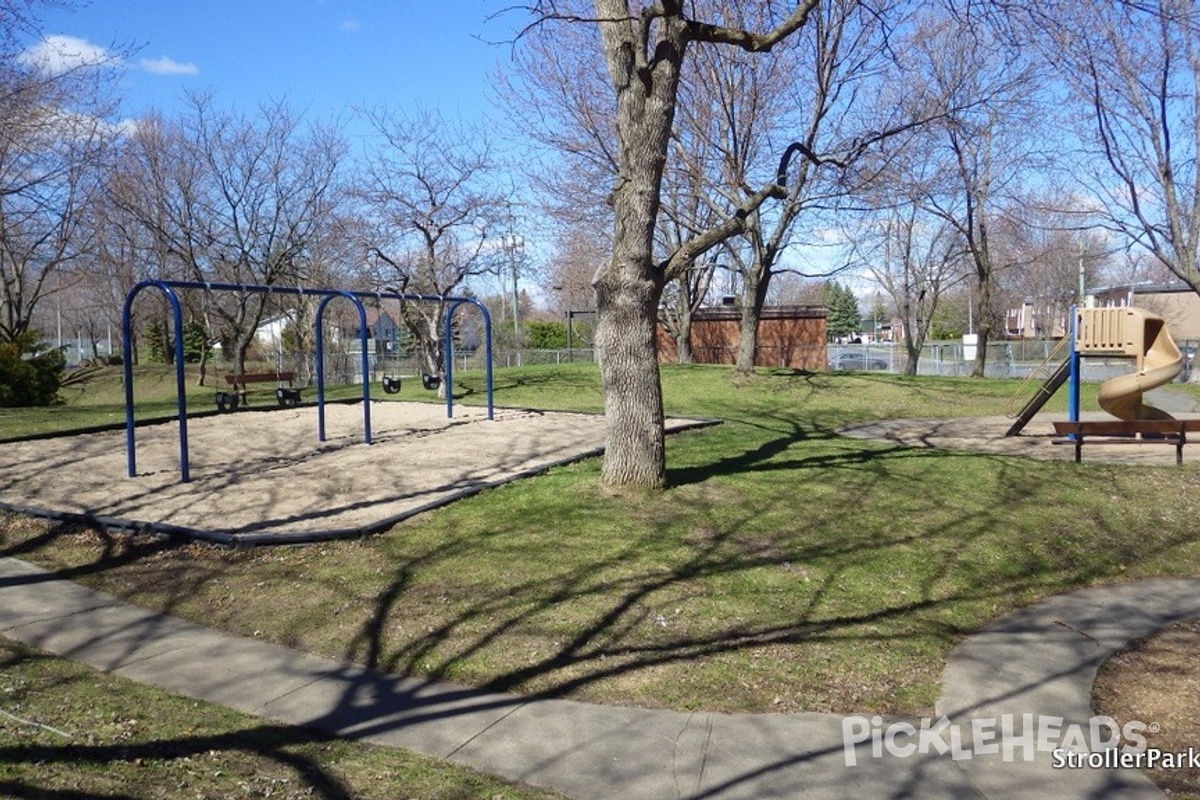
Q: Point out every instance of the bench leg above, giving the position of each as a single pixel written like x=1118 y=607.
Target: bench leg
x=1078 y=448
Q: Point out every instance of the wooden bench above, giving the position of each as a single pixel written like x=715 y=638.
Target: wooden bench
x=286 y=397
x=1119 y=431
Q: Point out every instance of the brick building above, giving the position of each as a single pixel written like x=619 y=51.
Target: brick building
x=788 y=336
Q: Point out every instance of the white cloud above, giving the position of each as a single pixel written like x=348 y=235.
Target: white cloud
x=125 y=127
x=351 y=26
x=168 y=66
x=58 y=54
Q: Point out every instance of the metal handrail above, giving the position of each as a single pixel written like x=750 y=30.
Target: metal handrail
x=1040 y=372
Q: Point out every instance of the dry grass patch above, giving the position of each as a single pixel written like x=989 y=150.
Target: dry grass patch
x=1156 y=681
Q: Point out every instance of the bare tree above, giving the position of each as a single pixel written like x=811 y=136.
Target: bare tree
x=233 y=198
x=54 y=137
x=563 y=104
x=835 y=80
x=436 y=214
x=915 y=257
x=644 y=48
x=982 y=150
x=1135 y=69
x=577 y=251
x=687 y=208
x=1048 y=257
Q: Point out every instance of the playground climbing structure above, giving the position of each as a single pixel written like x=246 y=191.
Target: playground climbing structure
x=1113 y=332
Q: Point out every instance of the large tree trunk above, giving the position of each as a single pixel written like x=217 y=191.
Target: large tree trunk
x=754 y=297
x=747 y=341
x=683 y=345
x=683 y=336
x=629 y=287
x=914 y=340
x=635 y=453
x=241 y=346
x=644 y=47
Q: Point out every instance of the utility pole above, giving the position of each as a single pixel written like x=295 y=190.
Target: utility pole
x=513 y=244
x=1082 y=282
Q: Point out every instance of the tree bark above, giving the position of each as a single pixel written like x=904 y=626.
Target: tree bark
x=635 y=453
x=754 y=297
x=629 y=287
x=644 y=50
x=984 y=328
x=683 y=340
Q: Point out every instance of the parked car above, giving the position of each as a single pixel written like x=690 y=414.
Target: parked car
x=856 y=361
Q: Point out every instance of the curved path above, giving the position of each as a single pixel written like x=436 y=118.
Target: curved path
x=1039 y=661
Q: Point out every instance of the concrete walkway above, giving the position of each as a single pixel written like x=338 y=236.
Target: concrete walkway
x=1039 y=661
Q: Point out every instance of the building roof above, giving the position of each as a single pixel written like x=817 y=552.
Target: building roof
x=1169 y=287
x=768 y=312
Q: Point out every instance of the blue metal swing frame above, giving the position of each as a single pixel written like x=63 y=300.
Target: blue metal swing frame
x=168 y=287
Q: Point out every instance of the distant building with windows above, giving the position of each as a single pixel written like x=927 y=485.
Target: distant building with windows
x=1037 y=319
x=1176 y=302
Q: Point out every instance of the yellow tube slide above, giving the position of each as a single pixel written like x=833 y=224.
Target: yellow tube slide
x=1158 y=362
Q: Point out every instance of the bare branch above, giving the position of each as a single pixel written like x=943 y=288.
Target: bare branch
x=747 y=40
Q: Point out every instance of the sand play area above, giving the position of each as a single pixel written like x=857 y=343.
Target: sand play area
x=263 y=477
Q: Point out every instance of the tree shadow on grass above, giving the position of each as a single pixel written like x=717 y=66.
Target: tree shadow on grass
x=271 y=742
x=116 y=550
x=613 y=642
x=778 y=439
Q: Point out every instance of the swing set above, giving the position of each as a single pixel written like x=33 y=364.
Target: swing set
x=169 y=287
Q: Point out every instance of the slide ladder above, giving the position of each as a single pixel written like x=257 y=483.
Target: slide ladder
x=1053 y=382
x=1044 y=393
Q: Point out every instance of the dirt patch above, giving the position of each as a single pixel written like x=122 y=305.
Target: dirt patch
x=1156 y=681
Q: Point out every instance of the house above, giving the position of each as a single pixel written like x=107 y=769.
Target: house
x=788 y=336
x=1176 y=302
x=1037 y=319
x=384 y=330
x=269 y=334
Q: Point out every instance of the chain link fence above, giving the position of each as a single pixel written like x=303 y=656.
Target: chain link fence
x=1006 y=359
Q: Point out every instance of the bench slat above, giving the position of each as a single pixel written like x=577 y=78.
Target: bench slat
x=1127 y=427
x=1167 y=431
x=260 y=377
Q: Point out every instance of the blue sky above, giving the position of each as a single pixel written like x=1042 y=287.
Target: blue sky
x=324 y=56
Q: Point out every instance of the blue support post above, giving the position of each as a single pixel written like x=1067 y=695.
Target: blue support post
x=365 y=364
x=180 y=381
x=449 y=355
x=1074 y=378
x=448 y=358
x=487 y=356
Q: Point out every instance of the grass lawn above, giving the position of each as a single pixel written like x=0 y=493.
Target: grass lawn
x=786 y=569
